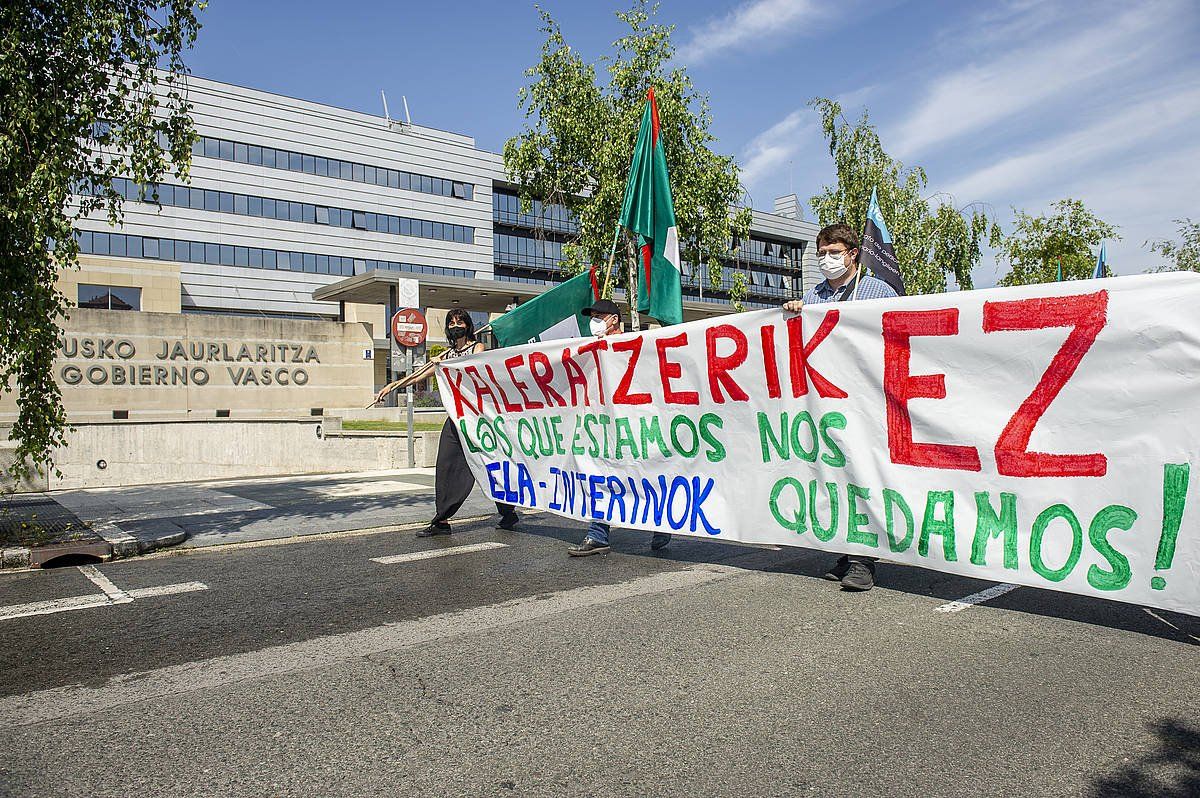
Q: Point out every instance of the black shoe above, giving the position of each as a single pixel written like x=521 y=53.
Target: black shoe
x=860 y=576
x=508 y=523
x=839 y=569
x=659 y=541
x=588 y=547
x=439 y=528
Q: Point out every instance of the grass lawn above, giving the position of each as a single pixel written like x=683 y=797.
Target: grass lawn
x=391 y=426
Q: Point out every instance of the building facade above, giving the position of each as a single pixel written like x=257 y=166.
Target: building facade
x=290 y=198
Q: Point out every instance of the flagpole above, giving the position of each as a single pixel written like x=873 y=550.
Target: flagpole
x=612 y=254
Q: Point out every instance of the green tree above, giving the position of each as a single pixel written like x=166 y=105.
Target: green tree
x=932 y=240
x=1038 y=244
x=1185 y=253
x=579 y=135
x=81 y=101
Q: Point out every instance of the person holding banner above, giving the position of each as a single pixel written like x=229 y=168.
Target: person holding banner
x=837 y=256
x=453 y=479
x=605 y=318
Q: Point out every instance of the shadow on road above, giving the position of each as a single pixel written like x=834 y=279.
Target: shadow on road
x=1171 y=770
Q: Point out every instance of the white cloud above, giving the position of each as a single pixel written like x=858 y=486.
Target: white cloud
x=748 y=25
x=971 y=97
x=770 y=150
x=1125 y=131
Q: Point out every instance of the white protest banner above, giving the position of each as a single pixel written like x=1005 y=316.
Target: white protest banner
x=1041 y=435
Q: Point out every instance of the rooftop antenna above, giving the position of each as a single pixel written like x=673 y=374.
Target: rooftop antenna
x=386 y=115
x=407 y=118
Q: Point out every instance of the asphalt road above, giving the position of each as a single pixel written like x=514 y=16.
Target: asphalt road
x=306 y=669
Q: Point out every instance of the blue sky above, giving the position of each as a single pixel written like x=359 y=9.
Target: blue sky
x=1010 y=103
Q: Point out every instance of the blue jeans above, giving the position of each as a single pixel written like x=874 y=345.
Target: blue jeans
x=598 y=531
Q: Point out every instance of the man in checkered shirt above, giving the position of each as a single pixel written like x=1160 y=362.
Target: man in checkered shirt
x=837 y=255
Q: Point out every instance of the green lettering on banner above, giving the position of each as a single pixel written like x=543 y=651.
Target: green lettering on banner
x=891 y=500
x=1114 y=516
x=694 y=446
x=625 y=439
x=576 y=446
x=766 y=435
x=856 y=520
x=462 y=425
x=527 y=437
x=834 y=456
x=652 y=433
x=820 y=532
x=805 y=418
x=944 y=526
x=988 y=526
x=716 y=449
x=486 y=436
x=502 y=437
x=1039 y=532
x=797 y=524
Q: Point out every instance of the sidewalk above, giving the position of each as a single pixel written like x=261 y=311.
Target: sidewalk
x=138 y=519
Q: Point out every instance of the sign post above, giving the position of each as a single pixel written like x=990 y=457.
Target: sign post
x=409 y=329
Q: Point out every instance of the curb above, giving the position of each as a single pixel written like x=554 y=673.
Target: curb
x=113 y=543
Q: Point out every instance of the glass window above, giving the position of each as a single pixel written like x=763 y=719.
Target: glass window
x=394 y=225
x=369 y=174
x=212 y=200
x=372 y=222
x=226 y=202
x=426 y=229
x=212 y=148
x=357 y=174
x=116 y=244
x=268 y=207
x=310 y=263
x=322 y=264
x=227 y=254
x=198 y=146
x=256 y=258
x=405 y=181
x=460 y=191
x=93 y=296
x=427 y=184
x=254 y=154
x=240 y=202
x=270 y=258
x=254 y=206
x=195 y=198
x=439 y=231
x=310 y=212
x=346 y=170
x=295 y=212
x=196 y=250
x=322 y=166
x=166 y=248
x=468 y=235
x=295 y=162
x=85 y=240
x=310 y=165
x=122 y=297
x=322 y=215
x=393 y=178
x=241 y=256
x=226 y=150
x=240 y=153
x=360 y=220
x=405 y=226
x=166 y=194
x=284 y=261
x=212 y=254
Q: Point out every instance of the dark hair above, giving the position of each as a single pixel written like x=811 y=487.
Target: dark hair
x=838 y=234
x=458 y=314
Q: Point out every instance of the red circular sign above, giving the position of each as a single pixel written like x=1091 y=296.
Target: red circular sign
x=409 y=327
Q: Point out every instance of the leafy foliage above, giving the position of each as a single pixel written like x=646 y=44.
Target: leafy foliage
x=931 y=240
x=579 y=136
x=1038 y=243
x=81 y=101
x=1186 y=252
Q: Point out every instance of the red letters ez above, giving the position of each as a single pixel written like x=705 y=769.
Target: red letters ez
x=1086 y=314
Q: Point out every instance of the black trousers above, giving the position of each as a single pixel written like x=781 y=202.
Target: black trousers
x=454 y=480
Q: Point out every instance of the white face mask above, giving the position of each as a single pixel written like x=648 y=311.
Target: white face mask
x=599 y=327
x=833 y=266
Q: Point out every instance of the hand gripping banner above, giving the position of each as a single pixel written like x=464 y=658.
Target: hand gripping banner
x=1043 y=435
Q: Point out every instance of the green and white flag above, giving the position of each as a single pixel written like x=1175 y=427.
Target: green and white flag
x=558 y=313
x=649 y=212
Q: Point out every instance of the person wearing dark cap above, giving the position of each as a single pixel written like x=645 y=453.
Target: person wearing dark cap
x=606 y=321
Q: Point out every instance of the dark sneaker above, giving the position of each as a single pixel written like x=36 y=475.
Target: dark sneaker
x=587 y=547
x=659 y=541
x=508 y=523
x=859 y=576
x=441 y=528
x=839 y=569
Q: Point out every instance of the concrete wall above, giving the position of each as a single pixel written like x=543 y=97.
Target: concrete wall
x=159 y=280
x=162 y=452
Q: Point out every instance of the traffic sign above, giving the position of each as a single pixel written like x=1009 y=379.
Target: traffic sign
x=409 y=327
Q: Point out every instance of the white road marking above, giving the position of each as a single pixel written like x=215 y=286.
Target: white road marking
x=307 y=655
x=976 y=598
x=112 y=595
x=167 y=590
x=115 y=594
x=429 y=555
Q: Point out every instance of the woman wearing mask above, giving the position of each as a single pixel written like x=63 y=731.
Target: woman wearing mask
x=454 y=480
